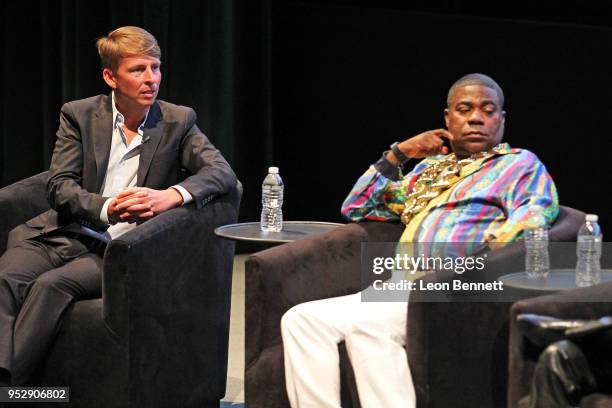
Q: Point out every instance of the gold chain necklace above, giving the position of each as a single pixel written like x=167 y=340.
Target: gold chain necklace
x=436 y=178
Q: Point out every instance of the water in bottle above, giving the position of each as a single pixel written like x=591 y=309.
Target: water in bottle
x=272 y=202
x=537 y=262
x=588 y=251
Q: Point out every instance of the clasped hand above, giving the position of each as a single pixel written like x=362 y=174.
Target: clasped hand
x=138 y=204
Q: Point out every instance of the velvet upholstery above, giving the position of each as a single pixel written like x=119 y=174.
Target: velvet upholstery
x=159 y=335
x=276 y=279
x=564 y=305
x=456 y=351
x=21 y=201
x=461 y=348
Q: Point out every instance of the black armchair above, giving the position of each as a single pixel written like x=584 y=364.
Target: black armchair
x=465 y=369
x=564 y=305
x=158 y=337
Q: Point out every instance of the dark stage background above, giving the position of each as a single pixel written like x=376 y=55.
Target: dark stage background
x=321 y=88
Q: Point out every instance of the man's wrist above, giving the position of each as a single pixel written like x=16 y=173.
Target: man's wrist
x=105 y=215
x=399 y=155
x=177 y=197
x=387 y=166
x=187 y=198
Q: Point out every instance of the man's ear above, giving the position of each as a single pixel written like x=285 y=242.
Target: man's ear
x=446 y=112
x=502 y=126
x=109 y=78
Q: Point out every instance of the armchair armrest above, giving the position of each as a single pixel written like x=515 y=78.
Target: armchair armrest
x=166 y=291
x=480 y=329
x=457 y=339
x=570 y=304
x=476 y=350
x=564 y=305
x=315 y=267
x=21 y=201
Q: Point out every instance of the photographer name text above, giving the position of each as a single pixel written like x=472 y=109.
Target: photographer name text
x=456 y=285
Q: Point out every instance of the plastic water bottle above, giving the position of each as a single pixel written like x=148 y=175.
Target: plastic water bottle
x=272 y=202
x=588 y=251
x=537 y=262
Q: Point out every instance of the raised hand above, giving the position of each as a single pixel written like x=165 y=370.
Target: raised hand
x=426 y=144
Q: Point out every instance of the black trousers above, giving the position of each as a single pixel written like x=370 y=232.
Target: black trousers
x=39 y=280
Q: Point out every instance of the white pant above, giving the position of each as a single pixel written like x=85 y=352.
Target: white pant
x=374 y=333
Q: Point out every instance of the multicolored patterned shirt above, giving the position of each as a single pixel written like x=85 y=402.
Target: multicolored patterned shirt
x=490 y=205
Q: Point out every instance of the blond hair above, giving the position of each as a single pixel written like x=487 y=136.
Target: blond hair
x=124 y=41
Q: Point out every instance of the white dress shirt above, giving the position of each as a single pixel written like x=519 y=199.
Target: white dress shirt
x=122 y=170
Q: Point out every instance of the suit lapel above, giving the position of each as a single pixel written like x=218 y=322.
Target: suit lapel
x=102 y=136
x=152 y=134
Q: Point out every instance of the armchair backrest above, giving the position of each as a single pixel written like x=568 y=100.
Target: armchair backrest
x=567 y=224
x=21 y=201
x=564 y=229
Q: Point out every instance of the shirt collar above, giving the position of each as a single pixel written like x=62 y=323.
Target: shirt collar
x=118 y=117
x=501 y=149
x=504 y=148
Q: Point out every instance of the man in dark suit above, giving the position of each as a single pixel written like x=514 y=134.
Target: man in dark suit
x=119 y=160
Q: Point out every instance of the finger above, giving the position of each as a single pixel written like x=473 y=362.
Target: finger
x=434 y=146
x=131 y=217
x=124 y=206
x=132 y=201
x=435 y=152
x=126 y=214
x=128 y=191
x=445 y=134
x=128 y=219
x=435 y=141
x=138 y=208
x=133 y=195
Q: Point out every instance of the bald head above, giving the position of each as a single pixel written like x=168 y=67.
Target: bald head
x=476 y=79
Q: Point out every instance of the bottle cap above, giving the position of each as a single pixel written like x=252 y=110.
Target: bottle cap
x=592 y=217
x=273 y=170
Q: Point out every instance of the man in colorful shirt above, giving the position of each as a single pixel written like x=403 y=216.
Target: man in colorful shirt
x=479 y=193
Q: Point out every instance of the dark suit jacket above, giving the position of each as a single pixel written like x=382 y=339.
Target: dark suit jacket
x=174 y=151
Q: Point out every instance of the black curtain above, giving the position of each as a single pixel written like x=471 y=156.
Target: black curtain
x=351 y=77
x=320 y=88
